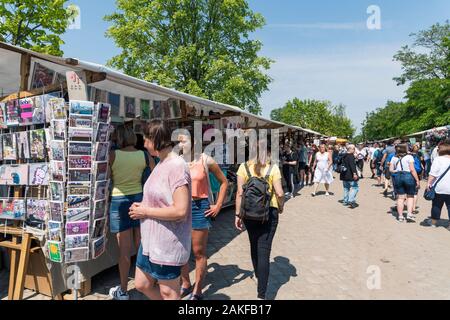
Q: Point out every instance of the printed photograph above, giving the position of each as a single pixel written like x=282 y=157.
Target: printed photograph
x=58 y=170
x=26 y=111
x=57 y=191
x=80 y=162
x=42 y=76
x=103 y=112
x=77 y=228
x=18 y=174
x=77 y=201
x=20 y=209
x=100 y=189
x=99 y=228
x=102 y=132
x=57 y=150
x=98 y=247
x=78 y=215
x=9 y=146
x=99 y=209
x=73 y=242
x=75 y=133
x=80 y=121
x=57 y=107
x=37 y=145
x=101 y=171
x=82 y=108
x=102 y=150
x=80 y=148
x=130 y=107
x=38 y=174
x=38 y=110
x=12 y=113
x=55 y=234
x=59 y=129
x=79 y=175
x=7 y=209
x=54 y=251
x=56 y=211
x=37 y=209
x=76 y=255
x=23 y=145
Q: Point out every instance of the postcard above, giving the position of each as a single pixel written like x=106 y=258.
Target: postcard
x=20 y=209
x=102 y=132
x=9 y=146
x=5 y=178
x=76 y=255
x=101 y=170
x=100 y=190
x=17 y=174
x=12 y=113
x=8 y=209
x=58 y=170
x=85 y=108
x=79 y=175
x=80 y=148
x=23 y=145
x=37 y=209
x=57 y=150
x=57 y=191
x=52 y=225
x=26 y=111
x=3 y=115
x=130 y=107
x=102 y=150
x=56 y=211
x=98 y=247
x=57 y=108
x=54 y=231
x=80 y=122
x=54 y=251
x=59 y=129
x=99 y=228
x=38 y=110
x=37 y=146
x=2 y=203
x=82 y=189
x=99 y=209
x=80 y=241
x=75 y=133
x=77 y=227
x=80 y=162
x=39 y=174
x=78 y=215
x=103 y=112
x=77 y=201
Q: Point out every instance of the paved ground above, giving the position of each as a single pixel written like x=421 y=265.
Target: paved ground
x=323 y=250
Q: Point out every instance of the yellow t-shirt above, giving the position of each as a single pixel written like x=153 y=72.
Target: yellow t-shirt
x=275 y=175
x=127 y=172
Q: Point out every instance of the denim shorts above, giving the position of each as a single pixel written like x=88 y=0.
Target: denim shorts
x=156 y=271
x=405 y=184
x=119 y=218
x=199 y=221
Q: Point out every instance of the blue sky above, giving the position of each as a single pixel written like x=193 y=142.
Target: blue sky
x=322 y=49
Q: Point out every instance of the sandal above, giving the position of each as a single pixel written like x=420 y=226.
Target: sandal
x=401 y=219
x=410 y=219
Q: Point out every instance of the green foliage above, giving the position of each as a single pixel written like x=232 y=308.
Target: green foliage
x=427 y=102
x=316 y=115
x=199 y=47
x=35 y=24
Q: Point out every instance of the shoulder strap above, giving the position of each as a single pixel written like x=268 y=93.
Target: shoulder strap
x=248 y=170
x=442 y=176
x=147 y=160
x=268 y=172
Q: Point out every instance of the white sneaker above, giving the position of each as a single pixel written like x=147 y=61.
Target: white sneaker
x=116 y=293
x=327 y=194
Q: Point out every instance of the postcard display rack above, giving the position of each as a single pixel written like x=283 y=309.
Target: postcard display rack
x=63 y=170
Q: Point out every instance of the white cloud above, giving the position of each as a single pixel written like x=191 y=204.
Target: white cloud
x=359 y=77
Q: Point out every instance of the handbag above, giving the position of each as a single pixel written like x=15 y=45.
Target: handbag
x=147 y=171
x=430 y=194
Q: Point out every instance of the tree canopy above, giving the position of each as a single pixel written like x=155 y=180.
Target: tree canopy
x=316 y=115
x=35 y=24
x=199 y=47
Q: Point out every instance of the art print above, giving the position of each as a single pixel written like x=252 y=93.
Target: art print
x=76 y=228
x=38 y=110
x=57 y=108
x=102 y=150
x=81 y=189
x=80 y=148
x=42 y=76
x=37 y=146
x=80 y=162
x=101 y=171
x=12 y=113
x=38 y=174
x=76 y=255
x=130 y=107
x=85 y=108
x=59 y=130
x=78 y=215
x=84 y=133
x=56 y=211
x=58 y=170
x=57 y=191
x=57 y=150
x=9 y=146
x=73 y=242
x=98 y=247
x=102 y=132
x=17 y=174
x=100 y=190
x=80 y=122
x=8 y=209
x=23 y=145
x=54 y=251
x=77 y=201
x=114 y=100
x=20 y=210
x=79 y=175
x=26 y=111
x=99 y=228
x=99 y=209
x=37 y=209
x=103 y=112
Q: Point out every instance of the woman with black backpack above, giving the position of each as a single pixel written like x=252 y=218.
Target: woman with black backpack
x=259 y=200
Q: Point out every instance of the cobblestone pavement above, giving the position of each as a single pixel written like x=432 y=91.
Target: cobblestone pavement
x=323 y=250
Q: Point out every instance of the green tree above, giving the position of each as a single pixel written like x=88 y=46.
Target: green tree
x=201 y=47
x=317 y=115
x=35 y=24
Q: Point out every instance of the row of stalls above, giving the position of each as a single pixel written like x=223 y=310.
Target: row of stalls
x=57 y=125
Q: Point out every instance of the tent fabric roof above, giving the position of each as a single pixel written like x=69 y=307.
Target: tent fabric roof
x=118 y=77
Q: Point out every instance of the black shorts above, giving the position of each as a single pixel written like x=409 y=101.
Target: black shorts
x=302 y=166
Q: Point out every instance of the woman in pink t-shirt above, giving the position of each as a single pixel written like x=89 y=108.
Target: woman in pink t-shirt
x=166 y=220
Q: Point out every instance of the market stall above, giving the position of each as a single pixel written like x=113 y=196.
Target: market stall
x=57 y=116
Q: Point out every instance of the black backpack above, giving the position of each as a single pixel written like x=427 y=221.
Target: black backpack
x=256 y=197
x=340 y=167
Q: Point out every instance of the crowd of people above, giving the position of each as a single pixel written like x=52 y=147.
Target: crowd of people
x=162 y=204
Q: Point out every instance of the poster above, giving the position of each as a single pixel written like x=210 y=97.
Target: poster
x=42 y=76
x=145 y=109
x=130 y=107
x=114 y=100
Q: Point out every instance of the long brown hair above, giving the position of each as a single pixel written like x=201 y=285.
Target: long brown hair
x=261 y=160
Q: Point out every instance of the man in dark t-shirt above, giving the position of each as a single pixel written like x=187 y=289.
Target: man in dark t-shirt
x=289 y=162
